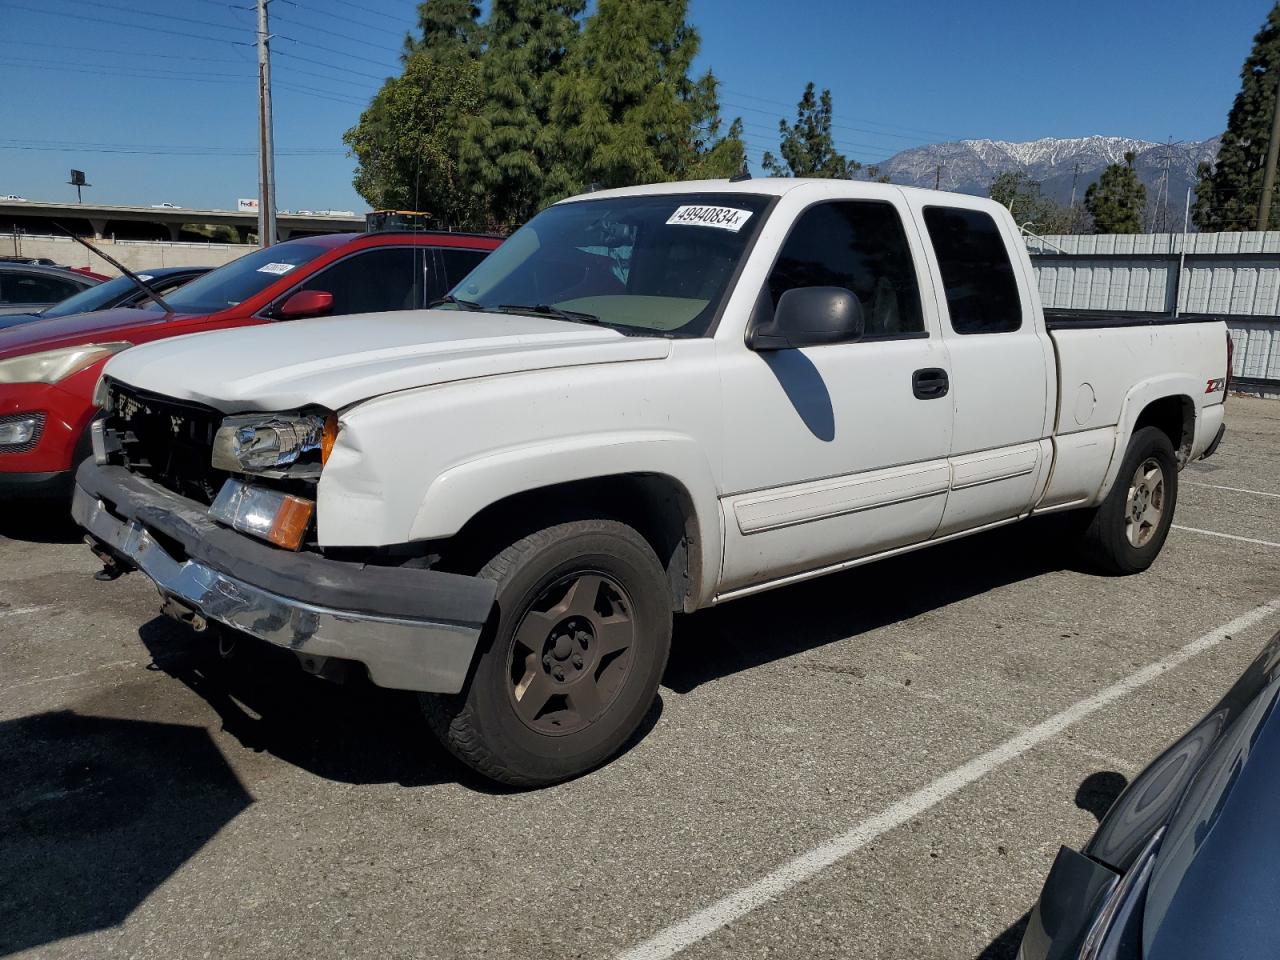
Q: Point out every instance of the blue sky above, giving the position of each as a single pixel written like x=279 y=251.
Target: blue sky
x=168 y=113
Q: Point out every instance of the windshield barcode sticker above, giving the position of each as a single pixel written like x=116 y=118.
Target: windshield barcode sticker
x=723 y=218
x=279 y=269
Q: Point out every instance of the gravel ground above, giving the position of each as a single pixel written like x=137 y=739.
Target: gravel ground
x=158 y=802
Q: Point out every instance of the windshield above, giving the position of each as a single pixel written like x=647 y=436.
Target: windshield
x=241 y=279
x=94 y=298
x=656 y=264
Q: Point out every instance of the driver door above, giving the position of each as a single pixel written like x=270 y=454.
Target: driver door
x=839 y=451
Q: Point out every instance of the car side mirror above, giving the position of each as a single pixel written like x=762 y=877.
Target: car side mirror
x=305 y=303
x=810 y=317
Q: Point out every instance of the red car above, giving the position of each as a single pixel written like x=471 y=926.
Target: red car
x=48 y=369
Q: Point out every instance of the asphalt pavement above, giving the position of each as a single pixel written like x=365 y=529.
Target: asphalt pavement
x=878 y=764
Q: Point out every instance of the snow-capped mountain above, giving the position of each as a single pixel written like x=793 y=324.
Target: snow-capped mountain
x=969 y=166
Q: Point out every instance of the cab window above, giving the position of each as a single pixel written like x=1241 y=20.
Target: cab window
x=982 y=293
x=861 y=246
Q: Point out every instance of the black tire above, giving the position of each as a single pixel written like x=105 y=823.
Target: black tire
x=1109 y=543
x=490 y=727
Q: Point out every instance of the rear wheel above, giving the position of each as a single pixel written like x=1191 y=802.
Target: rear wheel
x=573 y=656
x=1128 y=530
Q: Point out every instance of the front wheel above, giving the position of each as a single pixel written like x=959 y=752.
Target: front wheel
x=1128 y=529
x=573 y=657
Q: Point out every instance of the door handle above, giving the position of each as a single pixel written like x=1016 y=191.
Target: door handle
x=930 y=383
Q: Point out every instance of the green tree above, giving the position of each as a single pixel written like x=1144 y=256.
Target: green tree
x=1016 y=191
x=510 y=145
x=1117 y=200
x=807 y=146
x=1230 y=189
x=407 y=141
x=627 y=108
x=449 y=29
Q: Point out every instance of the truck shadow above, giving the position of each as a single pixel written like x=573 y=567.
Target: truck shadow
x=96 y=813
x=791 y=620
x=352 y=732
x=1096 y=793
x=39 y=521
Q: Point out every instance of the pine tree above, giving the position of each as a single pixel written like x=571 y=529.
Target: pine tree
x=1016 y=191
x=1117 y=200
x=1229 y=190
x=626 y=106
x=510 y=145
x=807 y=146
x=407 y=141
x=447 y=29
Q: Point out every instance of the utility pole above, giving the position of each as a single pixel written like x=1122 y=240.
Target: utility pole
x=266 y=142
x=937 y=176
x=1269 y=175
x=1182 y=257
x=1075 y=179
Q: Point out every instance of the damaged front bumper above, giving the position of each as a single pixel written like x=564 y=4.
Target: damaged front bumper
x=412 y=629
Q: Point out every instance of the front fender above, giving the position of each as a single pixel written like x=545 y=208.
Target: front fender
x=460 y=492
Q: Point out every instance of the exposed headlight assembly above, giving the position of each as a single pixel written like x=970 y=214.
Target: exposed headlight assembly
x=51 y=366
x=254 y=442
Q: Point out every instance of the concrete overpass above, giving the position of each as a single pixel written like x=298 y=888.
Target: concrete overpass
x=157 y=223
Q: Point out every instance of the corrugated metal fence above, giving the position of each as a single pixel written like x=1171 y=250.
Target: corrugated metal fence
x=1232 y=275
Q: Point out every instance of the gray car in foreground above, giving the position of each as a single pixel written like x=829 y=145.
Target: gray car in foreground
x=1186 y=863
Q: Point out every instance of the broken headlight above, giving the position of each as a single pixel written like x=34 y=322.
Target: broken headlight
x=254 y=442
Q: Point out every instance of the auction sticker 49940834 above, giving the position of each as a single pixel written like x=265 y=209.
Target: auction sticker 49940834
x=723 y=218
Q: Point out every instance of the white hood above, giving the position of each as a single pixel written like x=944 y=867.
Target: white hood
x=338 y=361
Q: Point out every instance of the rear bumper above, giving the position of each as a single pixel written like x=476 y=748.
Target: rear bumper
x=412 y=629
x=1213 y=444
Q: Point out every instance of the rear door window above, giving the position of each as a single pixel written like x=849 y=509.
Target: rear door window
x=982 y=292
x=35 y=288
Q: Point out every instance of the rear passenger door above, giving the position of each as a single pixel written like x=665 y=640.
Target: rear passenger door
x=999 y=368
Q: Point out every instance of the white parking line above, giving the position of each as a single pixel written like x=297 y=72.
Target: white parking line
x=670 y=941
x=1218 y=486
x=1226 y=536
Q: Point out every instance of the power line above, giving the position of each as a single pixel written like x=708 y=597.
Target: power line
x=337 y=16
x=365 y=9
x=892 y=126
x=116 y=51
x=333 y=50
x=120 y=23
x=341 y=36
x=117 y=8
x=137 y=73
x=325 y=63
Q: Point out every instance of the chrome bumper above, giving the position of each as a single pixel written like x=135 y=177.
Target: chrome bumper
x=402 y=653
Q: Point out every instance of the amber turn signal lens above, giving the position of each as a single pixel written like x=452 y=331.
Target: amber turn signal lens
x=291 y=522
x=328 y=437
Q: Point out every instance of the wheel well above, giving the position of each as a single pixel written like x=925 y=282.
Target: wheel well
x=657 y=506
x=1176 y=418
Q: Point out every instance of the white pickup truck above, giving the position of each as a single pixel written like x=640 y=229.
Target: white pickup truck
x=647 y=401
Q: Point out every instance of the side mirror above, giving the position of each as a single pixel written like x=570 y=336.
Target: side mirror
x=810 y=317
x=305 y=303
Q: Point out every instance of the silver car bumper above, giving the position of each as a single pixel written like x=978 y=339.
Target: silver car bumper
x=407 y=653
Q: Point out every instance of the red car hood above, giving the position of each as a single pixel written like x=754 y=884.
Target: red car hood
x=101 y=326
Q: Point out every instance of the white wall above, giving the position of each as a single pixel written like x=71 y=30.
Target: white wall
x=134 y=254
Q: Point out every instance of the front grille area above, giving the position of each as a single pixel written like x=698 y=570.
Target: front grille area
x=166 y=440
x=35 y=436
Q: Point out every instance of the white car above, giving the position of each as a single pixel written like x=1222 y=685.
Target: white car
x=647 y=401
x=12 y=198
x=165 y=206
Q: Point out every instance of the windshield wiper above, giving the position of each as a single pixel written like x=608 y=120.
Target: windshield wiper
x=137 y=281
x=546 y=310
x=450 y=298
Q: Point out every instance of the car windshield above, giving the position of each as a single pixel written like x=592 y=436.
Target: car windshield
x=94 y=298
x=657 y=264
x=241 y=279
